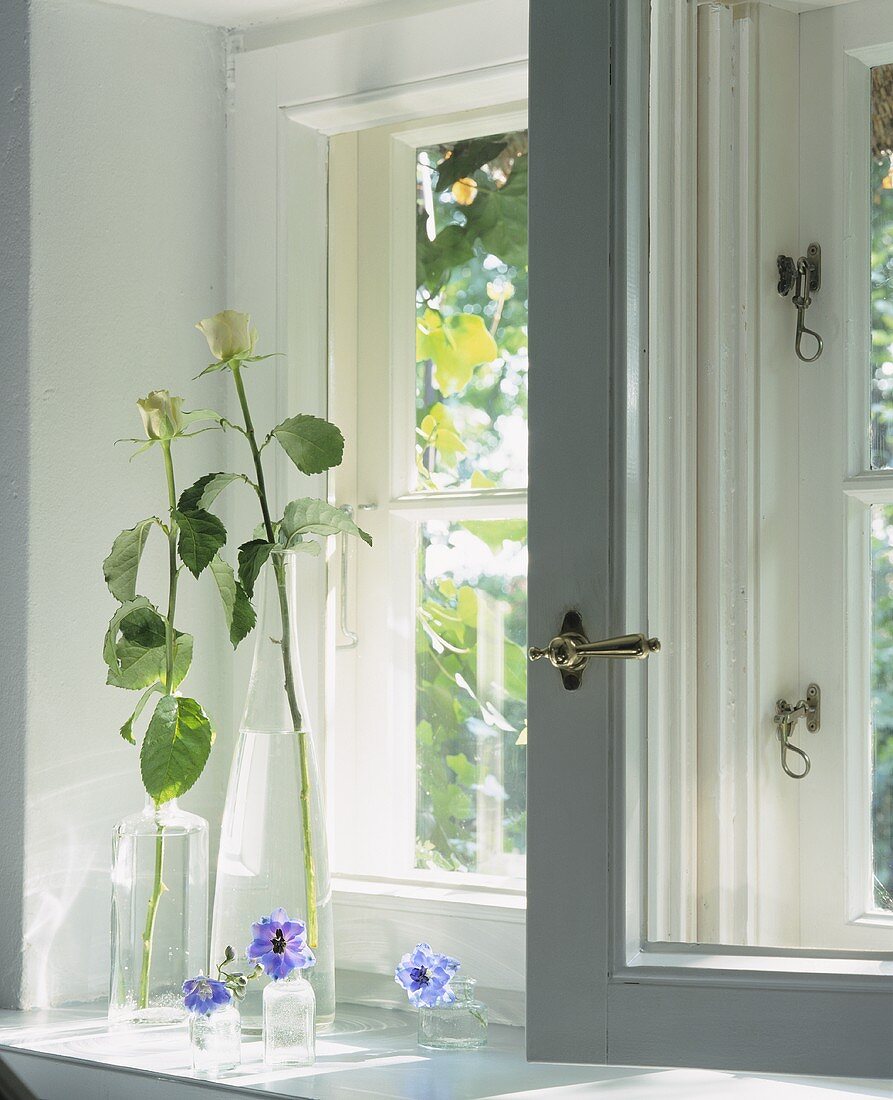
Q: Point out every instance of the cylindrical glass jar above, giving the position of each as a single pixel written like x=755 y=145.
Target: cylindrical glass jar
x=216 y=1041
x=461 y=1025
x=273 y=848
x=289 y=1022
x=159 y=912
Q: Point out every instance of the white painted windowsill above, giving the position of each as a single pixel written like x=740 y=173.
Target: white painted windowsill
x=71 y=1054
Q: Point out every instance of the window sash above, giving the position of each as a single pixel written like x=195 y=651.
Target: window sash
x=706 y=1013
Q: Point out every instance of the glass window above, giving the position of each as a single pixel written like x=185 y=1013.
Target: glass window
x=471 y=435
x=882 y=267
x=882 y=701
x=471 y=304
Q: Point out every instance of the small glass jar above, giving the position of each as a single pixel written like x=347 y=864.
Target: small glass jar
x=289 y=1022
x=216 y=1041
x=461 y=1025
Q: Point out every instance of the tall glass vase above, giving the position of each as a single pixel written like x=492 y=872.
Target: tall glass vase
x=159 y=912
x=273 y=849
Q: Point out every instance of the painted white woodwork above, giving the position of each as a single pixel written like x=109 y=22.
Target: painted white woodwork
x=372 y=1052
x=672 y=476
x=837 y=485
x=289 y=101
x=673 y=1005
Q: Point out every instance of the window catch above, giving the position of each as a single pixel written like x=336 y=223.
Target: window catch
x=786 y=718
x=804 y=278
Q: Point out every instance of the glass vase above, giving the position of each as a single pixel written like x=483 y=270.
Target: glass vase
x=159 y=912
x=215 y=1041
x=289 y=1026
x=461 y=1025
x=273 y=848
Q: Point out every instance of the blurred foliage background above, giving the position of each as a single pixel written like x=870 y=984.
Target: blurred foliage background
x=882 y=526
x=471 y=402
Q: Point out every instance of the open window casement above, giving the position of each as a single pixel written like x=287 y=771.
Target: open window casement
x=715 y=491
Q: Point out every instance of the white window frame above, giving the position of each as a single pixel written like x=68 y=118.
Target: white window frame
x=648 y=1003
x=376 y=673
x=288 y=100
x=730 y=459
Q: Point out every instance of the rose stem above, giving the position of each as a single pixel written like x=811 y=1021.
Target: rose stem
x=279 y=568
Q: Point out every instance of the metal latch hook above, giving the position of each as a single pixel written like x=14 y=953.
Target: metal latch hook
x=804 y=278
x=786 y=718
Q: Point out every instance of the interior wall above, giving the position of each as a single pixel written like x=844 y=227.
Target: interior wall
x=14 y=282
x=127 y=232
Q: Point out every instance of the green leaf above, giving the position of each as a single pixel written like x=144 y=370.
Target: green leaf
x=456 y=345
x=175 y=748
x=313 y=444
x=120 y=567
x=201 y=536
x=252 y=556
x=205 y=491
x=310 y=516
x=127 y=728
x=137 y=659
x=465 y=159
x=452 y=247
x=240 y=616
x=111 y=634
x=494 y=532
x=498 y=217
x=465 y=771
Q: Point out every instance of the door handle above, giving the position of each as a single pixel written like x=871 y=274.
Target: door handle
x=571 y=651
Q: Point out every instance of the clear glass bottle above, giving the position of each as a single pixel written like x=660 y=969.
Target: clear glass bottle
x=216 y=1041
x=461 y=1025
x=273 y=849
x=289 y=1022
x=159 y=912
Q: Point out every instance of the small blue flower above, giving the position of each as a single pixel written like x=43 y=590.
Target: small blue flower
x=280 y=945
x=426 y=976
x=203 y=995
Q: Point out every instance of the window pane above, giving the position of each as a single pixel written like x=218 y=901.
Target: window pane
x=471 y=680
x=882 y=701
x=471 y=311
x=881 y=396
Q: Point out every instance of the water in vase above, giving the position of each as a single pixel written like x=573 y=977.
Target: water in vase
x=273 y=804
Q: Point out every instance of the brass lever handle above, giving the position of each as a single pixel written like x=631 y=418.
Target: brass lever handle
x=570 y=651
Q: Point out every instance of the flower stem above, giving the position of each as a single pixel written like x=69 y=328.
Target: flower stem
x=291 y=693
x=152 y=912
x=172 y=568
x=158 y=884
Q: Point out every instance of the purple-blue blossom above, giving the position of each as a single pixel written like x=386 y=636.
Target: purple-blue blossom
x=203 y=995
x=280 y=945
x=425 y=976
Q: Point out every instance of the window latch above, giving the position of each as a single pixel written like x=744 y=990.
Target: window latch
x=804 y=278
x=571 y=651
x=787 y=717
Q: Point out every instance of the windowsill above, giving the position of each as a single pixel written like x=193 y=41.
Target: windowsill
x=71 y=1054
x=377 y=921
x=477 y=901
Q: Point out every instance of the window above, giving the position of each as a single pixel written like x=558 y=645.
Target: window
x=438 y=298
x=767 y=566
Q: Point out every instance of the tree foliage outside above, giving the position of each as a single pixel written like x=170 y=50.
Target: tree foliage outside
x=882 y=527
x=471 y=403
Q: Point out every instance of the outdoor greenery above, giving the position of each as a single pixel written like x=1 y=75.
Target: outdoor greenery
x=882 y=527
x=471 y=249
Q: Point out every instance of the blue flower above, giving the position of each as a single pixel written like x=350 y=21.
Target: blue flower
x=280 y=945
x=426 y=976
x=203 y=995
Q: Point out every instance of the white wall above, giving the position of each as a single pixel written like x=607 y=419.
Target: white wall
x=127 y=252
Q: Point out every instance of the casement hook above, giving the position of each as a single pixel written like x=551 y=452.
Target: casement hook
x=786 y=718
x=804 y=278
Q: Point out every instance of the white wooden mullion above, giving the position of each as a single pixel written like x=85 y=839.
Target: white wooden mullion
x=672 y=514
